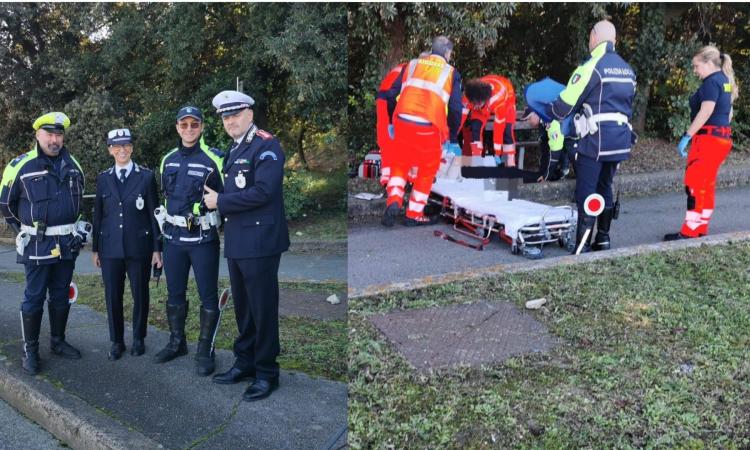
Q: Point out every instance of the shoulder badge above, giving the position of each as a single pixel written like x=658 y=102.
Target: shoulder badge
x=268 y=153
x=264 y=134
x=18 y=159
x=216 y=152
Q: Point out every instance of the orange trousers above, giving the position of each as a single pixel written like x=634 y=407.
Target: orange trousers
x=385 y=143
x=707 y=153
x=419 y=146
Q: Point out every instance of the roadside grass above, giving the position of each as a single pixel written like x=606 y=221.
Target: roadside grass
x=325 y=226
x=315 y=347
x=655 y=353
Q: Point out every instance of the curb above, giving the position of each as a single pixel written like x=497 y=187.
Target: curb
x=528 y=266
x=70 y=419
x=630 y=185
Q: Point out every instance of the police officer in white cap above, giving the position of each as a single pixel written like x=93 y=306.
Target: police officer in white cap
x=255 y=235
x=126 y=239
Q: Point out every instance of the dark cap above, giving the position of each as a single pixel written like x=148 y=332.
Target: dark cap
x=189 y=111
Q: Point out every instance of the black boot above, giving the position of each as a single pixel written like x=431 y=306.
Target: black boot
x=58 y=320
x=177 y=345
x=585 y=222
x=30 y=325
x=601 y=242
x=204 y=356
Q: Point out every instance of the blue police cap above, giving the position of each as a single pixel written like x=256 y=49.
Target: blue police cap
x=228 y=103
x=190 y=111
x=119 y=136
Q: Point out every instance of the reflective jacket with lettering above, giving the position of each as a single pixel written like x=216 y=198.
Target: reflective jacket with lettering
x=606 y=83
x=501 y=108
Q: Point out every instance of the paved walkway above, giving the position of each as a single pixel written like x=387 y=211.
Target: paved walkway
x=19 y=433
x=168 y=403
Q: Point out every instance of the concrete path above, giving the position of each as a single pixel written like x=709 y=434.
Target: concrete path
x=379 y=256
x=19 y=433
x=294 y=266
x=166 y=404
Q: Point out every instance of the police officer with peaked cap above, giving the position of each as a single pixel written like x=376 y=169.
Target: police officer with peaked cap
x=255 y=235
x=126 y=239
x=191 y=237
x=40 y=198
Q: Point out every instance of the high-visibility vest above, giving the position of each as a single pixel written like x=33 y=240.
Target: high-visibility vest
x=425 y=91
x=390 y=77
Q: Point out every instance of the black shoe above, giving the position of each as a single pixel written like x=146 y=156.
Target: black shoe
x=204 y=355
x=260 y=389
x=585 y=222
x=233 y=375
x=58 y=320
x=603 y=222
x=30 y=325
x=115 y=353
x=676 y=237
x=390 y=214
x=138 y=348
x=177 y=345
x=424 y=220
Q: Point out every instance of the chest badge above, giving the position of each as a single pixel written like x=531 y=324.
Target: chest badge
x=239 y=180
x=139 y=202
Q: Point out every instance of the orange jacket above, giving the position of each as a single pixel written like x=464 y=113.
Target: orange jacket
x=425 y=90
x=381 y=106
x=502 y=105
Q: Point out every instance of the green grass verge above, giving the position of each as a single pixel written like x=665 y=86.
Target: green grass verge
x=316 y=347
x=655 y=354
x=327 y=226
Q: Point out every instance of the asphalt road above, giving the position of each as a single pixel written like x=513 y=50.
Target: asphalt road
x=19 y=433
x=379 y=255
x=293 y=267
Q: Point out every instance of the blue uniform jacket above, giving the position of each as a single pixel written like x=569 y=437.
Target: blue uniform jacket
x=36 y=188
x=121 y=229
x=184 y=171
x=253 y=201
x=607 y=84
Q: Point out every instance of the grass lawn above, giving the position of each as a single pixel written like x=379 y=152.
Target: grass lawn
x=326 y=226
x=315 y=347
x=655 y=354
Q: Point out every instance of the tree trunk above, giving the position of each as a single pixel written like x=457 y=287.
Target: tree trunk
x=301 y=146
x=396 y=31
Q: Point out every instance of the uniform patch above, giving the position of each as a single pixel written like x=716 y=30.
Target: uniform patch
x=242 y=161
x=18 y=159
x=575 y=78
x=264 y=134
x=195 y=173
x=268 y=153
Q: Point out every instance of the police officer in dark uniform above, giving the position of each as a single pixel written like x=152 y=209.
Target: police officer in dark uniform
x=601 y=92
x=190 y=236
x=40 y=198
x=126 y=239
x=255 y=235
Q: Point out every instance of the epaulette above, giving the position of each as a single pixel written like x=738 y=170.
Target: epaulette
x=18 y=159
x=216 y=152
x=264 y=134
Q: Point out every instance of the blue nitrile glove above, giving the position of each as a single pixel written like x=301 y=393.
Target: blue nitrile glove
x=682 y=147
x=499 y=160
x=391 y=133
x=450 y=147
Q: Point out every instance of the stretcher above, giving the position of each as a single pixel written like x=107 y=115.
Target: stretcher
x=480 y=214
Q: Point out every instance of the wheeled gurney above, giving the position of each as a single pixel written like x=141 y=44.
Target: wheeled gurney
x=479 y=214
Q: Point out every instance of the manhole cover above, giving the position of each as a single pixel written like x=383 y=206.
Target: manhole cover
x=474 y=334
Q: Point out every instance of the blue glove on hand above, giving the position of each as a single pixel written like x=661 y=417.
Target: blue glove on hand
x=499 y=160
x=682 y=147
x=450 y=147
x=391 y=133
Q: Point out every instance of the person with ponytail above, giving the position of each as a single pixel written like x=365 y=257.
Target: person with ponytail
x=711 y=136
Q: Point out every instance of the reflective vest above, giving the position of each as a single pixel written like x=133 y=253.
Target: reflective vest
x=425 y=90
x=391 y=77
x=501 y=105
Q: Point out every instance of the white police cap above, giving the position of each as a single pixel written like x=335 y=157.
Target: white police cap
x=119 y=136
x=231 y=102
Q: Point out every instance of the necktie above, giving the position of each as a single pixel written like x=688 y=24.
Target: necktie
x=122 y=175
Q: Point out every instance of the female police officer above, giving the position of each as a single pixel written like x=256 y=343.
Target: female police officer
x=126 y=239
x=710 y=113
x=190 y=237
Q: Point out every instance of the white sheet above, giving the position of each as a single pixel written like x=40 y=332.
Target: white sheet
x=469 y=193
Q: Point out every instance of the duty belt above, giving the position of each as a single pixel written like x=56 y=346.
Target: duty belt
x=205 y=222
x=57 y=230
x=722 y=132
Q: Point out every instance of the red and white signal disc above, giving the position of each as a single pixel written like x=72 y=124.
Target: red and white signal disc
x=72 y=293
x=593 y=205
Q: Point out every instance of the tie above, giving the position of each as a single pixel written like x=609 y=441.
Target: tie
x=122 y=175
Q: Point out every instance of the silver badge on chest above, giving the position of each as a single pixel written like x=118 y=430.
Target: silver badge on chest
x=139 y=202
x=239 y=180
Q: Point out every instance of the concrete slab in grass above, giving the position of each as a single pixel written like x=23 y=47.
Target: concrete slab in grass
x=463 y=335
